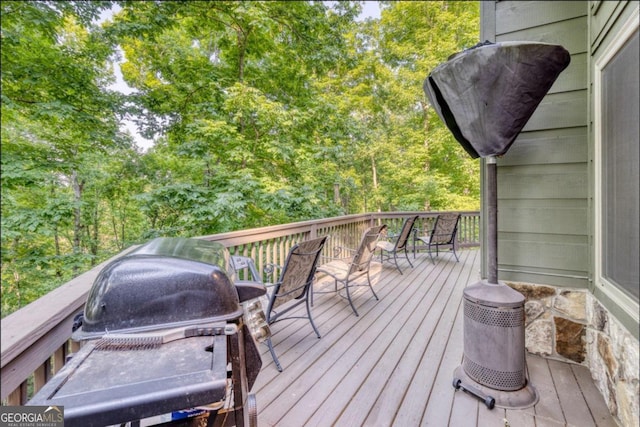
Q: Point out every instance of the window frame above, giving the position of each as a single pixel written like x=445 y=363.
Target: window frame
x=613 y=291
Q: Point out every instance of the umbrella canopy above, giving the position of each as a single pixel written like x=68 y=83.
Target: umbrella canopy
x=486 y=94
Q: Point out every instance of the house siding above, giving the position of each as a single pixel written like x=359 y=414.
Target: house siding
x=546 y=183
x=547 y=199
x=543 y=180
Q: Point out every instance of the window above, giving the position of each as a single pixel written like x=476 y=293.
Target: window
x=617 y=157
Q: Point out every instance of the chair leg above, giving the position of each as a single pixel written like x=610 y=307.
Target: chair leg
x=406 y=255
x=371 y=287
x=311 y=294
x=414 y=246
x=431 y=254
x=453 y=248
x=353 y=307
x=313 y=325
x=395 y=259
x=273 y=354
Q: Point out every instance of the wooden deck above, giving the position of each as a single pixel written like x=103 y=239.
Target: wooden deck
x=393 y=365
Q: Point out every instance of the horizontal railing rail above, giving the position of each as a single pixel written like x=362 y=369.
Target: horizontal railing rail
x=36 y=340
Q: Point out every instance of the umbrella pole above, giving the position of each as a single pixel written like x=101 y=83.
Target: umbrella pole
x=492 y=221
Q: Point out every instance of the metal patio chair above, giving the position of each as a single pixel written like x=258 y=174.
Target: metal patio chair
x=346 y=270
x=294 y=283
x=443 y=233
x=389 y=248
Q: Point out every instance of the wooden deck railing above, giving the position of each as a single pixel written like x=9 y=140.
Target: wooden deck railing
x=36 y=339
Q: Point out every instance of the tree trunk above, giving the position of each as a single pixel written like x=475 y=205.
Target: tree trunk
x=56 y=234
x=77 y=186
x=95 y=232
x=242 y=47
x=374 y=180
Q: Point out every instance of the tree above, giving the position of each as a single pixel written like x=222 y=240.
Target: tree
x=231 y=90
x=55 y=115
x=421 y=165
x=262 y=112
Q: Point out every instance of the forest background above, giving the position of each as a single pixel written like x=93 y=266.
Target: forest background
x=260 y=113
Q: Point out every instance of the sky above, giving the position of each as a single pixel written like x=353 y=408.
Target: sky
x=370 y=9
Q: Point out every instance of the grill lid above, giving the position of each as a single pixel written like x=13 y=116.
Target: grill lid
x=166 y=283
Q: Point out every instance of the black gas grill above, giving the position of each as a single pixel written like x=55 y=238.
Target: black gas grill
x=162 y=332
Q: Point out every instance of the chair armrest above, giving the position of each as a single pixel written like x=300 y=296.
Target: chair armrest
x=328 y=259
x=451 y=236
x=419 y=232
x=330 y=262
x=390 y=236
x=271 y=267
x=337 y=252
x=268 y=269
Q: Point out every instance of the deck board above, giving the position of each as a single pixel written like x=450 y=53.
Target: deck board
x=595 y=402
x=549 y=404
x=397 y=366
x=431 y=371
x=370 y=346
x=574 y=407
x=393 y=365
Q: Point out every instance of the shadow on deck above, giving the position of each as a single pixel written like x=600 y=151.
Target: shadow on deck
x=393 y=365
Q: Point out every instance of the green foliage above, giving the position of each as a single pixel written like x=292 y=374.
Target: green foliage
x=261 y=112
x=56 y=119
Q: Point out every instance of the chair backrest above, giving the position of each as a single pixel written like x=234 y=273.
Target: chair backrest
x=445 y=229
x=362 y=257
x=403 y=238
x=298 y=271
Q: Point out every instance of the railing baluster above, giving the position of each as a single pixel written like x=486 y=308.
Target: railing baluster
x=75 y=347
x=59 y=357
x=40 y=376
x=19 y=395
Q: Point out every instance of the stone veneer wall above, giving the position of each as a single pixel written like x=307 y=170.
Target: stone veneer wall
x=572 y=326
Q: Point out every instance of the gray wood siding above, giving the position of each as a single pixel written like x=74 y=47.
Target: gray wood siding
x=548 y=147
x=558 y=111
x=571 y=34
x=517 y=15
x=551 y=217
x=543 y=180
x=604 y=16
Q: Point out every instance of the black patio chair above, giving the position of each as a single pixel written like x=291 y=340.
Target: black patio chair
x=389 y=248
x=294 y=283
x=443 y=233
x=346 y=270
